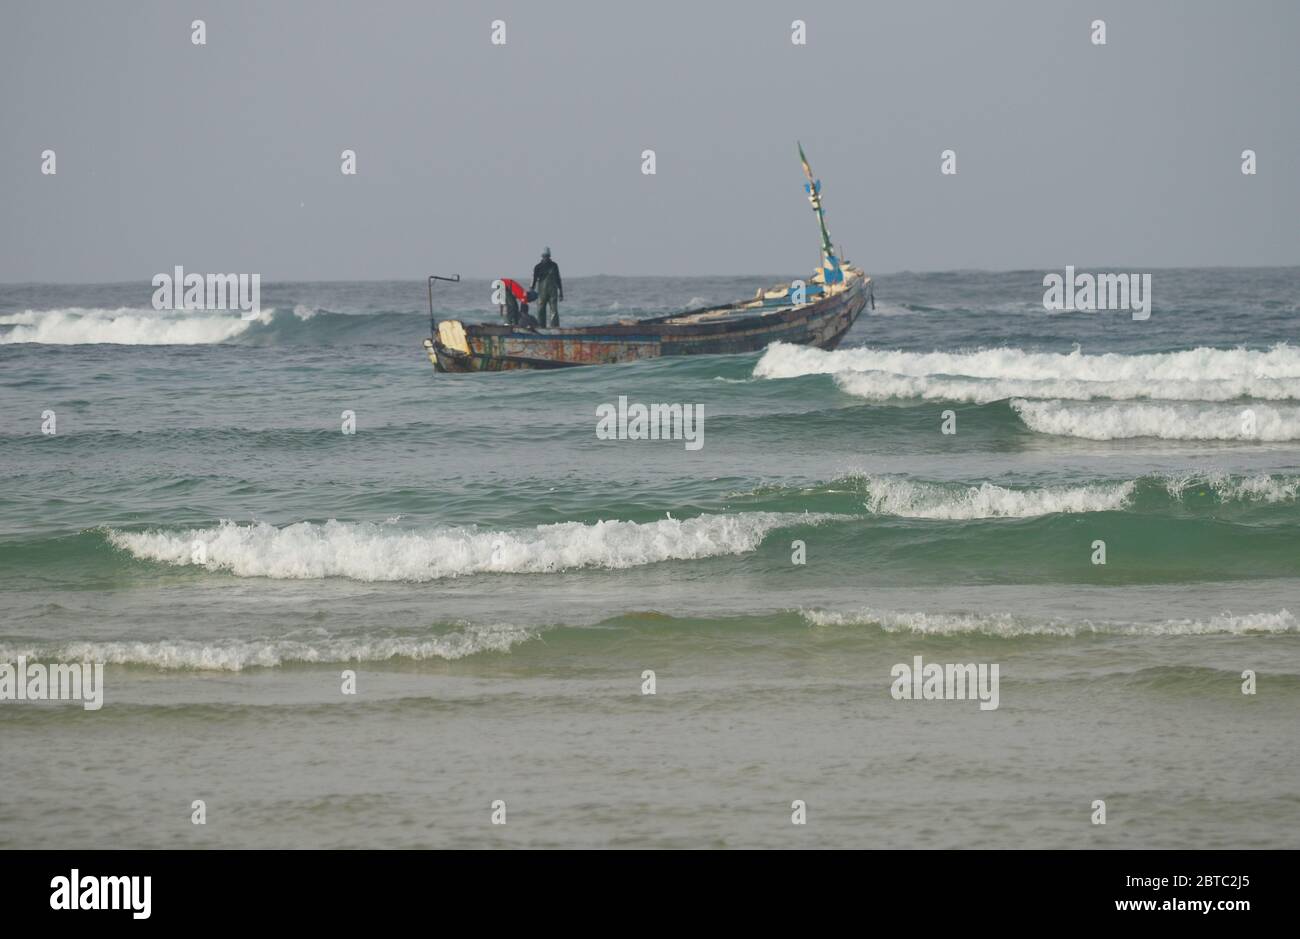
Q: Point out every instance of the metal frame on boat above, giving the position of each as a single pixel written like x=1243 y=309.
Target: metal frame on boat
x=817 y=313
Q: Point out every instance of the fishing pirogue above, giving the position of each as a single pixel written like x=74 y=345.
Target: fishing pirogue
x=816 y=313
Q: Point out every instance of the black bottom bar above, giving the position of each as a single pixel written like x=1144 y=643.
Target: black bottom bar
x=654 y=890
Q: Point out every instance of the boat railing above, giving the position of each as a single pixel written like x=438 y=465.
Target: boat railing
x=433 y=324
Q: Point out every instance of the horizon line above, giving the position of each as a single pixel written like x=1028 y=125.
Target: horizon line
x=950 y=270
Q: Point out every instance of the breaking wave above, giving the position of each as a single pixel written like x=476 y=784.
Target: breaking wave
x=1201 y=374
x=125 y=326
x=887 y=495
x=1184 y=421
x=1007 y=625
x=1228 y=488
x=132 y=326
x=369 y=552
x=912 y=497
x=237 y=654
x=884 y=386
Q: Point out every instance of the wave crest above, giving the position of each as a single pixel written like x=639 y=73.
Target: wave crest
x=986 y=375
x=131 y=326
x=891 y=495
x=369 y=552
x=883 y=386
x=1184 y=421
x=1007 y=625
x=236 y=654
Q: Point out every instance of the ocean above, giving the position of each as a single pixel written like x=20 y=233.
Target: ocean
x=505 y=587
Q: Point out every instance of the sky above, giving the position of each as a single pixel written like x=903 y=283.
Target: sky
x=471 y=157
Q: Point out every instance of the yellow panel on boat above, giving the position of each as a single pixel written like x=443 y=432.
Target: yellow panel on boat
x=451 y=333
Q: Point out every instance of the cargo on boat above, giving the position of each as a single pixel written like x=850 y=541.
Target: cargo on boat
x=817 y=312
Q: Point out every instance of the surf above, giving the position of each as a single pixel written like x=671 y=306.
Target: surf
x=1279 y=364
x=239 y=654
x=1173 y=421
x=367 y=551
x=137 y=326
x=1006 y=625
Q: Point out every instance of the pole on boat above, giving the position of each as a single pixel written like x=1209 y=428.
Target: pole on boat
x=831 y=272
x=454 y=279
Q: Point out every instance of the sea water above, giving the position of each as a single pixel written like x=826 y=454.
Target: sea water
x=187 y=501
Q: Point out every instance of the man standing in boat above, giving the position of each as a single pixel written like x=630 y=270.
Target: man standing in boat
x=546 y=281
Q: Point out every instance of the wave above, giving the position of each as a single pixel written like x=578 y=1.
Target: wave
x=468 y=639
x=890 y=519
x=125 y=326
x=1008 y=625
x=919 y=498
x=909 y=498
x=884 y=386
x=891 y=495
x=132 y=326
x=235 y=654
x=993 y=374
x=1229 y=488
x=369 y=552
x=1185 y=421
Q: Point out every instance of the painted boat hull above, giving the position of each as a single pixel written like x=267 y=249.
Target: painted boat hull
x=492 y=348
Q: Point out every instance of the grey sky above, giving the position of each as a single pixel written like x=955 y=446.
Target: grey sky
x=471 y=157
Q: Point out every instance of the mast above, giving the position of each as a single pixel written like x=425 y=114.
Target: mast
x=831 y=273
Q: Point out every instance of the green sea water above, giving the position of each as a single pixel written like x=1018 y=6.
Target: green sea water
x=501 y=581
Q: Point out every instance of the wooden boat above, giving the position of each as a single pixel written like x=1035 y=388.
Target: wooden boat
x=817 y=312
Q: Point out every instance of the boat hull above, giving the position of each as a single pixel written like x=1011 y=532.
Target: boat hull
x=491 y=348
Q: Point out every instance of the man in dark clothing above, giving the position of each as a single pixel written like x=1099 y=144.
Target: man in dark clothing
x=546 y=281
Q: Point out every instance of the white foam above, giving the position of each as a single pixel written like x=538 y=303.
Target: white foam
x=125 y=326
x=891 y=495
x=1183 y=421
x=370 y=552
x=885 y=386
x=1229 y=488
x=992 y=374
x=1006 y=625
x=236 y=655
